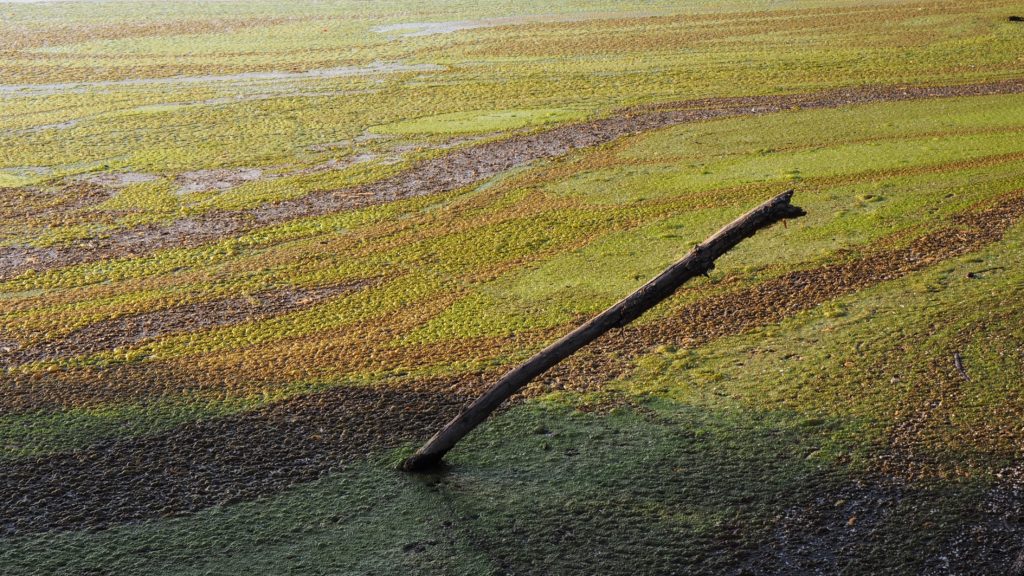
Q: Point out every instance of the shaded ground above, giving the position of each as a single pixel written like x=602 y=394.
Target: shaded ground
x=848 y=530
x=215 y=461
x=460 y=168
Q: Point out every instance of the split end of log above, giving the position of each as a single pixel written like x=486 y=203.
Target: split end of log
x=790 y=211
x=783 y=209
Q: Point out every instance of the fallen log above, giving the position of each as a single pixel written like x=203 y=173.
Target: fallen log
x=698 y=262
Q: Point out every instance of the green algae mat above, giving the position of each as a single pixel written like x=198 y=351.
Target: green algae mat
x=252 y=254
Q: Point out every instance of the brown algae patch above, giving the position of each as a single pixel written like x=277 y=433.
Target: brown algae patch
x=133 y=329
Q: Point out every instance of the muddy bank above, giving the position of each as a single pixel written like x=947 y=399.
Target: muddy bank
x=31 y=202
x=416 y=29
x=218 y=179
x=825 y=534
x=844 y=527
x=461 y=168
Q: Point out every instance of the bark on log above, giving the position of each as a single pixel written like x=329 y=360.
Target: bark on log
x=698 y=262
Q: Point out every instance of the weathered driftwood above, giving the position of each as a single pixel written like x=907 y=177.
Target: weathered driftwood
x=698 y=262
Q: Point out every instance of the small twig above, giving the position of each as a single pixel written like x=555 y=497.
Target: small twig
x=958 y=361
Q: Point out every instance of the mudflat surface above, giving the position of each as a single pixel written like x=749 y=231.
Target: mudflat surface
x=241 y=279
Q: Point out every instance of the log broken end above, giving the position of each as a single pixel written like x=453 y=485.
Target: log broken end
x=782 y=210
x=787 y=210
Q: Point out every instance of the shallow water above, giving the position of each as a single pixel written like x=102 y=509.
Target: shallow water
x=215 y=179
x=244 y=77
x=411 y=29
x=118 y=179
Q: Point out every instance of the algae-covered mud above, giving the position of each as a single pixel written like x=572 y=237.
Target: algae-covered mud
x=253 y=253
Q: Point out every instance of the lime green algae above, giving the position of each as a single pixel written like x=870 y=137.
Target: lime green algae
x=799 y=365
x=857 y=356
